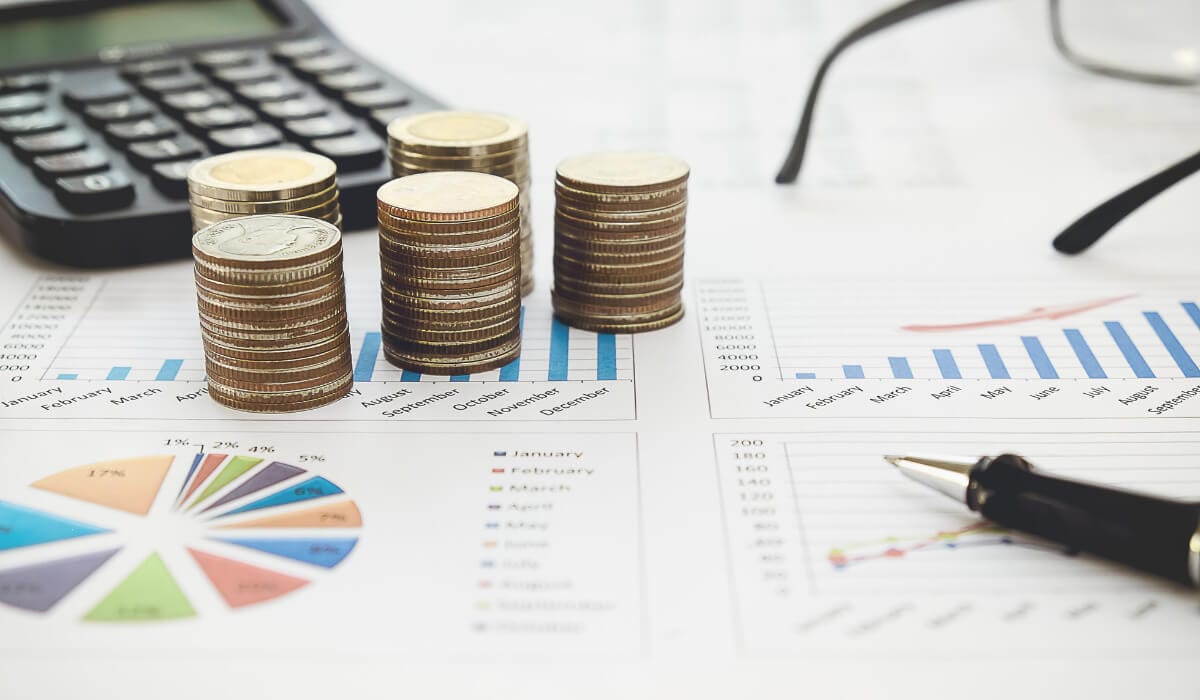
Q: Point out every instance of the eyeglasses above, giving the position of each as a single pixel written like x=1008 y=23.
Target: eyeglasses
x=1151 y=41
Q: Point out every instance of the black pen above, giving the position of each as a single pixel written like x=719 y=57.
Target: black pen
x=1157 y=535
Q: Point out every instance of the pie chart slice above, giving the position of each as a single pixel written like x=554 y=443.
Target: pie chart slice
x=37 y=587
x=24 y=527
x=284 y=522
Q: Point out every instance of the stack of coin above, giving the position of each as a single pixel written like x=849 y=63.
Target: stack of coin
x=449 y=248
x=270 y=181
x=474 y=141
x=272 y=308
x=619 y=221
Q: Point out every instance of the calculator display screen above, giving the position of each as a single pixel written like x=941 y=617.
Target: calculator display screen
x=75 y=30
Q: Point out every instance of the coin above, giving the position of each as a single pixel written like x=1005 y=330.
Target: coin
x=447 y=196
x=262 y=175
x=457 y=132
x=618 y=172
x=268 y=241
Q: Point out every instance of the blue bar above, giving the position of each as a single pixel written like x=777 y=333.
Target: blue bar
x=1192 y=310
x=460 y=378
x=1041 y=361
x=409 y=376
x=1133 y=356
x=512 y=371
x=900 y=367
x=606 y=356
x=118 y=373
x=168 y=371
x=991 y=357
x=1186 y=364
x=367 y=355
x=1083 y=351
x=68 y=376
x=806 y=375
x=946 y=363
x=853 y=371
x=559 y=332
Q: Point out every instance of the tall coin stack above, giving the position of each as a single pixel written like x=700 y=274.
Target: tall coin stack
x=619 y=222
x=272 y=308
x=449 y=248
x=269 y=181
x=474 y=141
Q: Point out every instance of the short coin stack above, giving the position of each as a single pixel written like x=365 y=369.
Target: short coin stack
x=619 y=222
x=270 y=181
x=272 y=308
x=474 y=141
x=449 y=247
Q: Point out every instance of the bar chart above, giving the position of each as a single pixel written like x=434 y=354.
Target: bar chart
x=777 y=348
x=96 y=346
x=129 y=332
x=1080 y=360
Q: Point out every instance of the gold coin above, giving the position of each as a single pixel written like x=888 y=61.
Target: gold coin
x=457 y=132
x=279 y=382
x=512 y=160
x=274 y=292
x=274 y=206
x=253 y=313
x=608 y=253
x=261 y=175
x=634 y=226
x=277 y=351
x=238 y=366
x=468 y=364
x=448 y=196
x=267 y=241
x=617 y=245
x=637 y=267
x=623 y=201
x=281 y=401
x=622 y=171
x=585 y=213
x=606 y=326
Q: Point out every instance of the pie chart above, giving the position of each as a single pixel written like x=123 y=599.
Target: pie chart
x=253 y=530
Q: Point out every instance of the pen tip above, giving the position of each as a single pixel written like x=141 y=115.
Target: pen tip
x=894 y=460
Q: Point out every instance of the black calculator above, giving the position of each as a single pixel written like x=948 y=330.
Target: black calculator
x=105 y=105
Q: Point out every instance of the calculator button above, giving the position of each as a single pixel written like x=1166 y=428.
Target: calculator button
x=225 y=58
x=353 y=152
x=145 y=153
x=38 y=82
x=319 y=127
x=192 y=100
x=145 y=69
x=97 y=192
x=325 y=64
x=119 y=111
x=140 y=130
x=32 y=123
x=21 y=103
x=271 y=91
x=254 y=136
x=350 y=80
x=171 y=178
x=299 y=108
x=220 y=117
x=253 y=73
x=49 y=143
x=160 y=86
x=98 y=91
x=300 y=48
x=89 y=160
x=364 y=101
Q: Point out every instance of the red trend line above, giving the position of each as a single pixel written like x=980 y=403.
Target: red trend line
x=1046 y=312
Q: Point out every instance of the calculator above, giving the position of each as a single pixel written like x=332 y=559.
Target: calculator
x=105 y=105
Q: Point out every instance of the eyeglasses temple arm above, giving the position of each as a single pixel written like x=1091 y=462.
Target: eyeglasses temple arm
x=791 y=166
x=1089 y=228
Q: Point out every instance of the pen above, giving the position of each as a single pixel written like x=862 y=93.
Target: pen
x=1157 y=535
